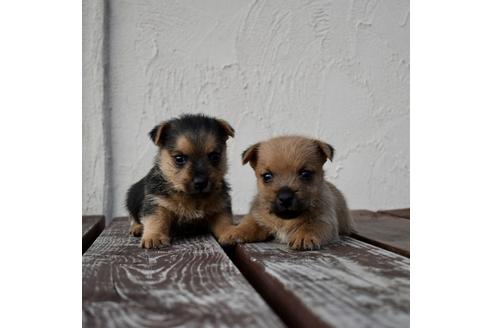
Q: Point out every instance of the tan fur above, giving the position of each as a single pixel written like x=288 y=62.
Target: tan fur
x=178 y=178
x=326 y=215
x=248 y=231
x=220 y=225
x=181 y=177
x=209 y=144
x=184 y=145
x=158 y=134
x=186 y=208
x=250 y=155
x=136 y=228
x=157 y=228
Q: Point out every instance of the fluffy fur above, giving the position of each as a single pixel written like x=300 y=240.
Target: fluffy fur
x=294 y=202
x=185 y=186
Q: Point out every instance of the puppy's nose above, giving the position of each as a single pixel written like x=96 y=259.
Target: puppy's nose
x=200 y=182
x=285 y=197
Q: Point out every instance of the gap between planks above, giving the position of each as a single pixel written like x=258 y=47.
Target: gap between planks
x=400 y=212
x=92 y=226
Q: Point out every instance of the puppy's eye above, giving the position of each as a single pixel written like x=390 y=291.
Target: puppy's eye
x=267 y=177
x=180 y=160
x=214 y=157
x=305 y=174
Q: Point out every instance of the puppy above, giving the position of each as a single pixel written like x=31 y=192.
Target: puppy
x=186 y=184
x=294 y=202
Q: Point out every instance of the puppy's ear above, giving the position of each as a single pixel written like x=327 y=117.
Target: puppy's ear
x=327 y=151
x=157 y=133
x=251 y=155
x=229 y=131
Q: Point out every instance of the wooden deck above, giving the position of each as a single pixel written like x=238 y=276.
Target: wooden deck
x=192 y=283
x=384 y=230
x=347 y=284
x=196 y=283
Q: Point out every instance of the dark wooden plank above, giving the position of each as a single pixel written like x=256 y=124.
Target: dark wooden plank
x=190 y=284
x=401 y=212
x=92 y=226
x=383 y=230
x=346 y=284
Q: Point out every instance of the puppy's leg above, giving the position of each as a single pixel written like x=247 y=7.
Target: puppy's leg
x=156 y=229
x=134 y=201
x=220 y=225
x=136 y=228
x=311 y=235
x=345 y=223
x=248 y=231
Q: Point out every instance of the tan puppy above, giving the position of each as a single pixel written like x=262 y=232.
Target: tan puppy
x=294 y=202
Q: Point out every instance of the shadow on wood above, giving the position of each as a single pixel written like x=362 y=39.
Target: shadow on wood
x=92 y=226
x=383 y=230
x=401 y=212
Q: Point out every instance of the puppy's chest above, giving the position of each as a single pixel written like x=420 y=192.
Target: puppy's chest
x=279 y=231
x=189 y=210
x=279 y=228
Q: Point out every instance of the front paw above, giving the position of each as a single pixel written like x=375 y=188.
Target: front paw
x=136 y=229
x=304 y=241
x=230 y=237
x=154 y=241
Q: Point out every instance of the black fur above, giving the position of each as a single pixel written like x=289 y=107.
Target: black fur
x=153 y=133
x=155 y=183
x=332 y=151
x=152 y=184
x=193 y=125
x=134 y=198
x=148 y=206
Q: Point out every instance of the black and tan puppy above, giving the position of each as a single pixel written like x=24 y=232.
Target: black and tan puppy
x=294 y=203
x=186 y=183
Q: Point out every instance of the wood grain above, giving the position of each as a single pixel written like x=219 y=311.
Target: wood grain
x=190 y=284
x=347 y=284
x=383 y=230
x=92 y=226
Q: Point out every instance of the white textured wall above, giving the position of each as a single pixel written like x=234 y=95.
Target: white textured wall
x=93 y=148
x=334 y=70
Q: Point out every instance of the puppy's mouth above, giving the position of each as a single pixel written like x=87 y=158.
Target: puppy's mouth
x=287 y=214
x=199 y=187
x=199 y=193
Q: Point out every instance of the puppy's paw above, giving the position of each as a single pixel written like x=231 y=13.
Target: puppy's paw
x=304 y=241
x=155 y=241
x=230 y=237
x=136 y=229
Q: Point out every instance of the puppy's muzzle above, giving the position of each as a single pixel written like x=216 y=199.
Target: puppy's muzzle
x=286 y=205
x=285 y=198
x=200 y=183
